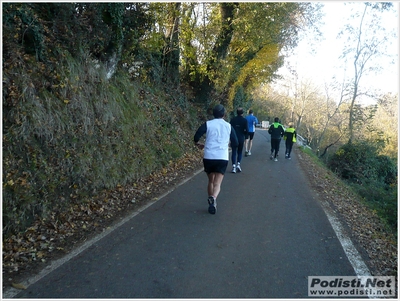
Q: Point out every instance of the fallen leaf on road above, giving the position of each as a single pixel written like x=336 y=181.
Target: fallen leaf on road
x=18 y=286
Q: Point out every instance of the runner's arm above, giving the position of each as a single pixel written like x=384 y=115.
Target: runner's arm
x=200 y=132
x=234 y=139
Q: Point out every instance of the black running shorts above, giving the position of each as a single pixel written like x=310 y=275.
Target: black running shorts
x=215 y=166
x=250 y=135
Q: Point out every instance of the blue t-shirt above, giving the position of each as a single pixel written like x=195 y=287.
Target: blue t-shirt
x=252 y=121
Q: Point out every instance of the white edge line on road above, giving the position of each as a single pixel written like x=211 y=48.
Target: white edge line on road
x=356 y=261
x=12 y=292
x=352 y=254
x=354 y=257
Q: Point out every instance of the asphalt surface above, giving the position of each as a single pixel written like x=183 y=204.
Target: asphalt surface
x=269 y=234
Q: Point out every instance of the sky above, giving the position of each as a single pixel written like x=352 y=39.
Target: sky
x=321 y=66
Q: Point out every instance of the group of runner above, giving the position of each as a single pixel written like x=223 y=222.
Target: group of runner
x=277 y=131
x=244 y=128
x=239 y=134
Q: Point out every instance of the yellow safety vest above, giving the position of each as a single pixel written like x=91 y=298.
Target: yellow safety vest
x=291 y=130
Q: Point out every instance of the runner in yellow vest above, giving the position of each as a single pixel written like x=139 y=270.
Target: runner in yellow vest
x=290 y=137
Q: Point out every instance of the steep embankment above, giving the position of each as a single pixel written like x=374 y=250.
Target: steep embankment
x=79 y=133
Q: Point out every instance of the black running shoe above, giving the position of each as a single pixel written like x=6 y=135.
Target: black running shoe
x=212 y=205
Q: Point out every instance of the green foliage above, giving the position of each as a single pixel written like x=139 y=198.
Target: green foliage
x=240 y=98
x=372 y=175
x=359 y=161
x=21 y=25
x=382 y=199
x=238 y=44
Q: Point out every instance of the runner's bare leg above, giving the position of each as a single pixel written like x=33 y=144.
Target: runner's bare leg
x=214 y=183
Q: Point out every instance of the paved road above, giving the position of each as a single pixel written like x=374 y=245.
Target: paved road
x=269 y=234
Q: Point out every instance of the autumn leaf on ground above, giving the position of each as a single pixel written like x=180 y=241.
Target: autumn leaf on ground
x=19 y=286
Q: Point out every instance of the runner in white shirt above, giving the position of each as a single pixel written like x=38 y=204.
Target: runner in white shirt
x=216 y=152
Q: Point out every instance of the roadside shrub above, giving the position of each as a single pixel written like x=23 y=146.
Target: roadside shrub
x=382 y=199
x=373 y=176
x=360 y=161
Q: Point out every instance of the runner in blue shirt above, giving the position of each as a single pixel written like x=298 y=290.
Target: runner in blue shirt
x=252 y=121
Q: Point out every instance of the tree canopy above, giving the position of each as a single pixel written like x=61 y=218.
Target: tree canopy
x=213 y=48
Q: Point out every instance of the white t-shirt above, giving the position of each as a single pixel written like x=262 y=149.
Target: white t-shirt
x=217 y=139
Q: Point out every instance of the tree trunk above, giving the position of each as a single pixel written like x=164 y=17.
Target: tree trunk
x=220 y=49
x=359 y=64
x=171 y=50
